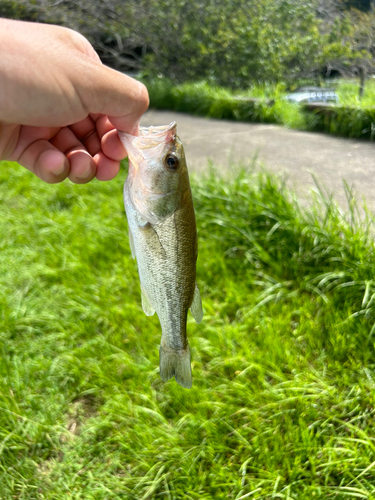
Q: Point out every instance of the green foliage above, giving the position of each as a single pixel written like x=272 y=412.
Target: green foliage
x=203 y=99
x=216 y=102
x=12 y=9
x=258 y=41
x=347 y=90
x=345 y=121
x=267 y=104
x=283 y=363
x=231 y=43
x=268 y=41
x=354 y=117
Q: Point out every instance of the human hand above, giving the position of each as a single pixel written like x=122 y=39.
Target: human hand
x=60 y=107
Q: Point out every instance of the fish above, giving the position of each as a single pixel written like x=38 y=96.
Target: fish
x=163 y=240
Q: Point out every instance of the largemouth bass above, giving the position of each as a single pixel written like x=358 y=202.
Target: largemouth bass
x=163 y=239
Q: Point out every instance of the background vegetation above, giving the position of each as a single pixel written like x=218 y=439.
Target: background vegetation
x=232 y=43
x=351 y=118
x=282 y=404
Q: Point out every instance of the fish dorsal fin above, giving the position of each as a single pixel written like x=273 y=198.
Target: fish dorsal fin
x=146 y=305
x=196 y=306
x=131 y=242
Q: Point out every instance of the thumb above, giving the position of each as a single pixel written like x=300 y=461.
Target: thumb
x=106 y=91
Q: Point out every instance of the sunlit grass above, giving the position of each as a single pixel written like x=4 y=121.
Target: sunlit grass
x=282 y=404
x=352 y=117
x=348 y=92
x=257 y=104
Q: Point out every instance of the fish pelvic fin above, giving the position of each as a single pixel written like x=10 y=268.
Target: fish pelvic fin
x=131 y=242
x=196 y=306
x=146 y=304
x=176 y=363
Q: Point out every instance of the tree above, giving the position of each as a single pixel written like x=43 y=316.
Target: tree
x=110 y=25
x=228 y=42
x=234 y=42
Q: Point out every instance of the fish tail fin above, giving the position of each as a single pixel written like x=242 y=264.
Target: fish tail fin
x=176 y=363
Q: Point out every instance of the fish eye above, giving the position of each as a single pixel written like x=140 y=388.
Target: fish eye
x=171 y=162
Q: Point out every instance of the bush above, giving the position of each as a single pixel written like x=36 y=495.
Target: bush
x=216 y=102
x=353 y=121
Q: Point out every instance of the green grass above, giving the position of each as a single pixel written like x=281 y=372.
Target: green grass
x=352 y=117
x=282 y=404
x=258 y=104
x=348 y=92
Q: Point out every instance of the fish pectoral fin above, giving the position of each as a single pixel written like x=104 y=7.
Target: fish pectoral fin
x=196 y=306
x=146 y=305
x=131 y=242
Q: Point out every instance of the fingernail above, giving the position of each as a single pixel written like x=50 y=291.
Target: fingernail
x=86 y=173
x=60 y=170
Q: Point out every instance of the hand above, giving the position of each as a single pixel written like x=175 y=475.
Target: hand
x=60 y=107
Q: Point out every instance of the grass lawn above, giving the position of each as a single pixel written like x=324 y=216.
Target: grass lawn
x=282 y=404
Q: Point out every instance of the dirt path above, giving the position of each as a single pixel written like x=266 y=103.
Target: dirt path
x=297 y=154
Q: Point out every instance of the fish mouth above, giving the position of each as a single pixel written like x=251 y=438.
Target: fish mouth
x=150 y=137
x=158 y=131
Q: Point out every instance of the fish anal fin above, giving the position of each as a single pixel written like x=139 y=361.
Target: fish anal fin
x=176 y=364
x=196 y=306
x=146 y=305
x=131 y=242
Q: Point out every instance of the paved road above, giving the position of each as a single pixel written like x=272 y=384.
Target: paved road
x=297 y=154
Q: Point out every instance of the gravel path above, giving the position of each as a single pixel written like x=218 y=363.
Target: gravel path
x=294 y=153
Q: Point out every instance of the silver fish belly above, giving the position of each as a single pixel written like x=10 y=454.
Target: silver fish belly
x=163 y=239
